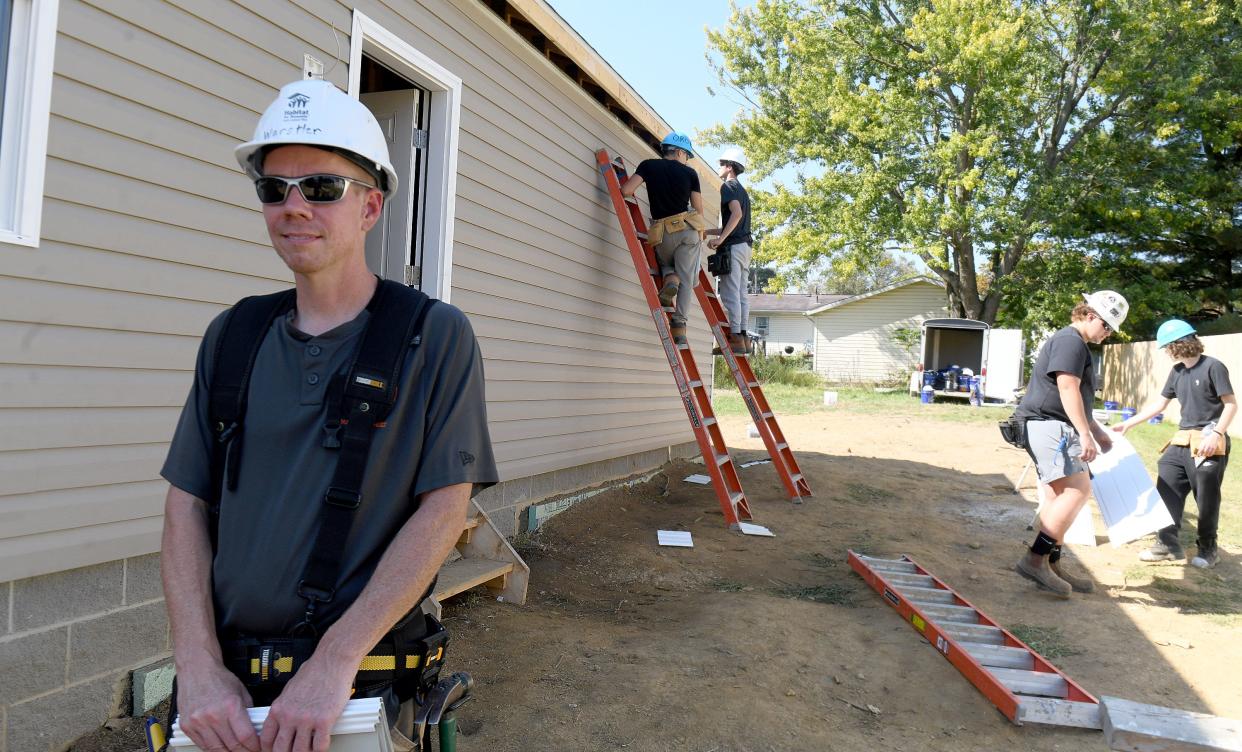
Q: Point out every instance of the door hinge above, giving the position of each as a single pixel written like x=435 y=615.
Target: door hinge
x=421 y=139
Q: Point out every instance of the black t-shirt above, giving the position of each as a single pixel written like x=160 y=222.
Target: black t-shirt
x=669 y=185
x=1065 y=352
x=732 y=190
x=1198 y=390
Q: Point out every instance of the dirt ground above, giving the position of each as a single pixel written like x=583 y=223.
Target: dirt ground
x=752 y=644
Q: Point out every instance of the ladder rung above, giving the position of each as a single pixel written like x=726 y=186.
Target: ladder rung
x=641 y=235
x=796 y=477
x=709 y=421
x=768 y=415
x=890 y=565
x=710 y=294
x=981 y=633
x=722 y=458
x=668 y=309
x=631 y=201
x=737 y=498
x=959 y=614
x=918 y=580
x=683 y=347
x=928 y=595
x=1000 y=656
x=1032 y=682
x=696 y=384
x=652 y=272
x=752 y=384
x=781 y=445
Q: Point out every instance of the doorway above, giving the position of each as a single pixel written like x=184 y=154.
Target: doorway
x=394 y=247
x=418 y=104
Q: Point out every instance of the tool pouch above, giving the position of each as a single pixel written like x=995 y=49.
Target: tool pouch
x=720 y=263
x=1013 y=431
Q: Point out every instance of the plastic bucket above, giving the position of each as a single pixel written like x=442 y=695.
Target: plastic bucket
x=1110 y=405
x=1156 y=419
x=1127 y=413
x=928 y=395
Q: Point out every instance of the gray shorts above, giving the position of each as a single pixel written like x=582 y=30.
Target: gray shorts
x=1055 y=447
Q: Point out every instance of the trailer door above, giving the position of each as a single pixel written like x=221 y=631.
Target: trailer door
x=1004 y=364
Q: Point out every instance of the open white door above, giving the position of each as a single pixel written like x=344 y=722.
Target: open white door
x=1004 y=364
x=390 y=246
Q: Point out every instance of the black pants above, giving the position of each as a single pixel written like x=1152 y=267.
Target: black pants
x=1178 y=476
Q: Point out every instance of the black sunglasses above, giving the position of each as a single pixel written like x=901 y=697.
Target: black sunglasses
x=316 y=189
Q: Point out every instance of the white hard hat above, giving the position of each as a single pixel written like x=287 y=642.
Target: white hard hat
x=734 y=154
x=313 y=112
x=1108 y=305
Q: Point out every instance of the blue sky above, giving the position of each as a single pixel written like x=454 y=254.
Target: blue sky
x=659 y=49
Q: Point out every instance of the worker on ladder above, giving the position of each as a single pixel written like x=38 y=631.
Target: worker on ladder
x=677 y=224
x=732 y=246
x=324 y=460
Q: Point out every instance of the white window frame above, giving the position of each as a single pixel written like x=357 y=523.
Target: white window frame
x=26 y=106
x=763 y=328
x=443 y=122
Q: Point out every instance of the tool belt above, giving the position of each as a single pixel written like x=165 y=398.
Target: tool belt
x=720 y=263
x=409 y=657
x=1191 y=437
x=1013 y=430
x=690 y=220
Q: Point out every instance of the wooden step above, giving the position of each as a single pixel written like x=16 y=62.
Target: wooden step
x=463 y=574
x=468 y=529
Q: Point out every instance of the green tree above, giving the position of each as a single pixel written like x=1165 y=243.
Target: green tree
x=944 y=128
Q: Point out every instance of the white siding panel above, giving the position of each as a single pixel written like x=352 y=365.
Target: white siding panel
x=786 y=329
x=853 y=342
x=151 y=229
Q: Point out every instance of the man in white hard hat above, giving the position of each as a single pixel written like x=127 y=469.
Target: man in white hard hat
x=279 y=576
x=735 y=238
x=1062 y=436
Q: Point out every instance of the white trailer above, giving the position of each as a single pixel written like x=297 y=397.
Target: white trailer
x=993 y=354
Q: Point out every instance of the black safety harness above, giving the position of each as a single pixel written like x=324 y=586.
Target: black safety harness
x=359 y=399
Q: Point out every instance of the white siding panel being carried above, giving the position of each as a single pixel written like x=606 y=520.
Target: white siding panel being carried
x=853 y=341
x=150 y=230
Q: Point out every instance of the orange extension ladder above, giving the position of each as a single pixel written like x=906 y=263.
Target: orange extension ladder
x=1021 y=683
x=681 y=360
x=720 y=466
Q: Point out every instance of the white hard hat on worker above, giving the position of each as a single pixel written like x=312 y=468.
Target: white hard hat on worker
x=735 y=155
x=1110 y=306
x=316 y=113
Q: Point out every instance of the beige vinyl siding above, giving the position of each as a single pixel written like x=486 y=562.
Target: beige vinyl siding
x=785 y=330
x=853 y=342
x=150 y=230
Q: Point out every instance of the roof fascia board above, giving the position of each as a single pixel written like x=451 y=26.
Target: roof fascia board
x=873 y=293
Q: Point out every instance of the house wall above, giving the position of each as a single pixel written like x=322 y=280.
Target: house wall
x=150 y=230
x=853 y=342
x=785 y=329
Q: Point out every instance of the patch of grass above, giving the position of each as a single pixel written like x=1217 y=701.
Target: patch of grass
x=1047 y=641
x=821 y=561
x=727 y=586
x=840 y=595
x=529 y=544
x=863 y=493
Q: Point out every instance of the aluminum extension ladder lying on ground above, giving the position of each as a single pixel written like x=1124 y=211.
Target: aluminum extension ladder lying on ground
x=681 y=360
x=1024 y=686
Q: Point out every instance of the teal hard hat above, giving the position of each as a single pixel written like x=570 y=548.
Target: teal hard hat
x=680 y=140
x=1171 y=331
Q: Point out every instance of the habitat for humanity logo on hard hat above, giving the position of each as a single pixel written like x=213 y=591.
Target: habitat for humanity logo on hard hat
x=296 y=110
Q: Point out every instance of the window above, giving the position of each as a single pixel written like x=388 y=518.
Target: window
x=27 y=41
x=761 y=325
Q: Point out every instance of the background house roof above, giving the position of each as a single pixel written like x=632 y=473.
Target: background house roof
x=789 y=302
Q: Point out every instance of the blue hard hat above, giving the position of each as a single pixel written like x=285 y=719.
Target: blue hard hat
x=680 y=140
x=1171 y=331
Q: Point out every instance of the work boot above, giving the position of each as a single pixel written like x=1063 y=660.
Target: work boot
x=1039 y=572
x=728 y=338
x=1207 y=557
x=679 y=334
x=1079 y=584
x=668 y=294
x=1162 y=552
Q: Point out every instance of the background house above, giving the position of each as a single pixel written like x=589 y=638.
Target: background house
x=126 y=225
x=850 y=337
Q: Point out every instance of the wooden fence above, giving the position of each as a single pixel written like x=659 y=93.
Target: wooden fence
x=1135 y=372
